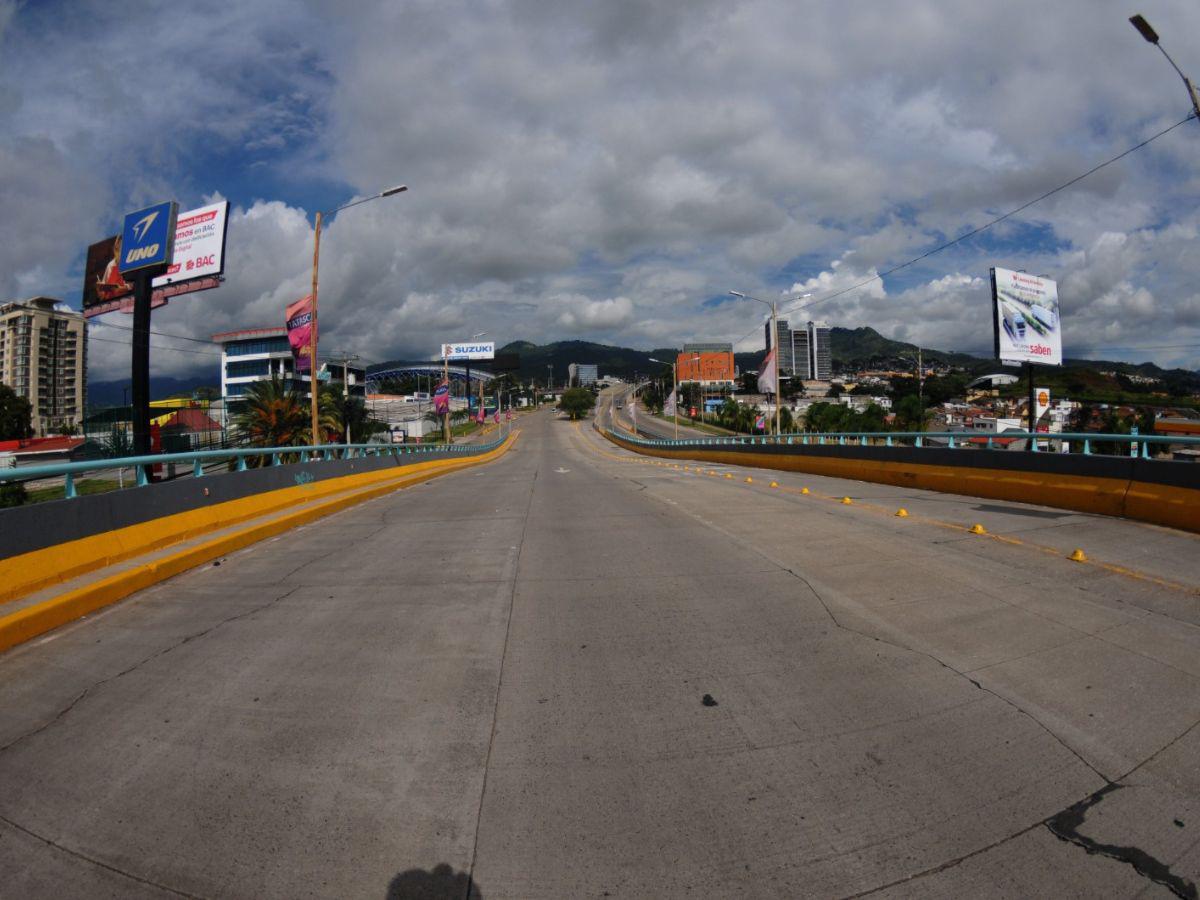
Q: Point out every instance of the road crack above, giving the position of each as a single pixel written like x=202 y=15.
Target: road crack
x=79 y=698
x=91 y=860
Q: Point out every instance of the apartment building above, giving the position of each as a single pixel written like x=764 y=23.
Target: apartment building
x=43 y=358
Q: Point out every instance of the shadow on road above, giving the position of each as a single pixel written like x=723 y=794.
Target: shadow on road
x=443 y=883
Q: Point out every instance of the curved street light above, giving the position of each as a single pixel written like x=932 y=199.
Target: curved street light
x=774 y=343
x=1145 y=30
x=312 y=329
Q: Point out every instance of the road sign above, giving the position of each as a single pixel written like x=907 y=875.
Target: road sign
x=148 y=237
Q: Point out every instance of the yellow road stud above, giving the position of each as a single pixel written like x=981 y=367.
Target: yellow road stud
x=1078 y=555
x=978 y=529
x=804 y=490
x=846 y=501
x=902 y=513
x=711 y=472
x=774 y=484
x=749 y=480
x=728 y=474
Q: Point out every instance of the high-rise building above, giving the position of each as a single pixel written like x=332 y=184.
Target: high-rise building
x=801 y=356
x=820 y=352
x=260 y=354
x=582 y=374
x=43 y=358
x=787 y=362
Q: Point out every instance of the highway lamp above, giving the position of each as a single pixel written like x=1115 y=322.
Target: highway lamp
x=674 y=390
x=774 y=343
x=1151 y=36
x=312 y=330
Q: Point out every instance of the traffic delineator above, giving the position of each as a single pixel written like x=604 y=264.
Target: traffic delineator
x=978 y=529
x=1078 y=555
x=902 y=513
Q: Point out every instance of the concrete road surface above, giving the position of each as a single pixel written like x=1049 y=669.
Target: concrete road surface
x=576 y=673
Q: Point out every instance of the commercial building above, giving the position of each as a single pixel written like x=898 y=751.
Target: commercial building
x=581 y=374
x=800 y=355
x=43 y=358
x=709 y=364
x=260 y=354
x=782 y=340
x=820 y=352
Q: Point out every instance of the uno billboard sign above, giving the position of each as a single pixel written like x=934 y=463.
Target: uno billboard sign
x=148 y=237
x=485 y=350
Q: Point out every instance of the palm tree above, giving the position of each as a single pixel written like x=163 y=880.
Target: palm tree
x=337 y=411
x=273 y=414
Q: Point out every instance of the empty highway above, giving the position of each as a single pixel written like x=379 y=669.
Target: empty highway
x=577 y=672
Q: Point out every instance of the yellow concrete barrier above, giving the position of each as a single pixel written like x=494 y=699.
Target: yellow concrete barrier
x=29 y=572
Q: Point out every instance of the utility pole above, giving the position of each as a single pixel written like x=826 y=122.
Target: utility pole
x=921 y=387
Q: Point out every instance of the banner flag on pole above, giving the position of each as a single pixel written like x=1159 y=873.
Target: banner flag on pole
x=496 y=417
x=441 y=398
x=669 y=406
x=299 y=324
x=766 y=374
x=761 y=422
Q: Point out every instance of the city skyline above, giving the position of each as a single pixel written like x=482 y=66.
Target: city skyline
x=641 y=162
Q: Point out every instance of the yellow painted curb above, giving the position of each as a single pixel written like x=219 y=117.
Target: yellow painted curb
x=32 y=621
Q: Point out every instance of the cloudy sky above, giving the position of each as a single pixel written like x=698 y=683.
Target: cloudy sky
x=608 y=171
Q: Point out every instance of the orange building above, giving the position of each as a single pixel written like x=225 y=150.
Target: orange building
x=709 y=364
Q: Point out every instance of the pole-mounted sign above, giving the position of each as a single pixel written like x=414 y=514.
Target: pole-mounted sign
x=148 y=238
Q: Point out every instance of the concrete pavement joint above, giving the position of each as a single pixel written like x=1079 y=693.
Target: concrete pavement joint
x=91 y=860
x=512 y=596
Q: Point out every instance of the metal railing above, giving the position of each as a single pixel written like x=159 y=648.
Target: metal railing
x=266 y=456
x=1136 y=445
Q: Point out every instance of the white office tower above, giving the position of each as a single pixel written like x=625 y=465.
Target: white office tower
x=820 y=353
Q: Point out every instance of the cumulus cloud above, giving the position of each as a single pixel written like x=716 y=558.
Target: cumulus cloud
x=610 y=170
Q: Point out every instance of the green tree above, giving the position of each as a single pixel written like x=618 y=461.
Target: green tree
x=350 y=411
x=577 y=402
x=16 y=415
x=12 y=494
x=275 y=415
x=909 y=415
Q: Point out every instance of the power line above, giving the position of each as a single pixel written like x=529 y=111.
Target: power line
x=214 y=352
x=181 y=337
x=974 y=231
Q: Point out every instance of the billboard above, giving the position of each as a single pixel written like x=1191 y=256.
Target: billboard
x=1025 y=318
x=147 y=237
x=486 y=350
x=197 y=263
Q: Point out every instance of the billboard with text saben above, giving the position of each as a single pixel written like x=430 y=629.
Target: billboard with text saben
x=1025 y=318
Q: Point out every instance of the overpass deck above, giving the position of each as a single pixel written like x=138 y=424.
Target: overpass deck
x=577 y=671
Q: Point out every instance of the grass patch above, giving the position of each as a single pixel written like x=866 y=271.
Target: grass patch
x=82 y=486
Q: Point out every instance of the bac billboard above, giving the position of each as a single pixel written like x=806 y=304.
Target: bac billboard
x=1025 y=318
x=197 y=263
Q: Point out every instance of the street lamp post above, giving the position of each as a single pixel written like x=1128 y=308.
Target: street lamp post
x=1151 y=36
x=674 y=391
x=312 y=330
x=774 y=344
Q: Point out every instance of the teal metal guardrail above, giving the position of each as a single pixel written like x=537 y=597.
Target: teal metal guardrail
x=1137 y=444
x=141 y=464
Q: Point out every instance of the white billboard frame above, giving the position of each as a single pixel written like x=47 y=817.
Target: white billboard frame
x=1026 y=323
x=465 y=350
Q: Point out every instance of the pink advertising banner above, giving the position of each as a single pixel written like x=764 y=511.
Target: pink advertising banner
x=299 y=327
